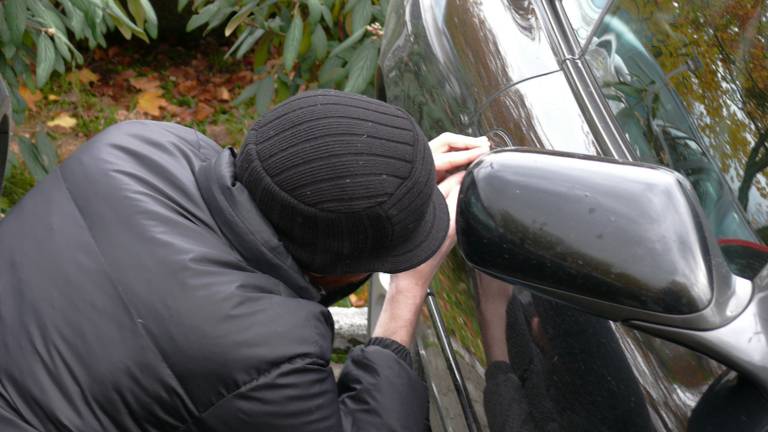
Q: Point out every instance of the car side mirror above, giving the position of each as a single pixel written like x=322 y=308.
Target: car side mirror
x=622 y=240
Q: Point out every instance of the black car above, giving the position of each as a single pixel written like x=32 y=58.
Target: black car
x=566 y=338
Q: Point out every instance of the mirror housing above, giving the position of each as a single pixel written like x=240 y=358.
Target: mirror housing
x=621 y=240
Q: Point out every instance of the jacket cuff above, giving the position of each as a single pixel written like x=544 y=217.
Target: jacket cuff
x=394 y=346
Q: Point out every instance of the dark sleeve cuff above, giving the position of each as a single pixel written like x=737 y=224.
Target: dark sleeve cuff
x=396 y=347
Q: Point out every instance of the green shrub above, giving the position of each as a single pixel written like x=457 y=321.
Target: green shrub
x=42 y=33
x=325 y=43
x=39 y=36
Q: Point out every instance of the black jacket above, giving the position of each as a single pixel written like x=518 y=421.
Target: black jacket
x=141 y=290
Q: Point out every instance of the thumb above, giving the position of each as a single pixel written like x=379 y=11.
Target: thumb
x=450 y=183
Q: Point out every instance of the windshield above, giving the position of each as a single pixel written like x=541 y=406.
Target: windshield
x=688 y=83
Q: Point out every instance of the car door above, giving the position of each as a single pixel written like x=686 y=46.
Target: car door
x=577 y=372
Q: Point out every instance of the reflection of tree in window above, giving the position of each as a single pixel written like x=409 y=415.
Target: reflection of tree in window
x=684 y=77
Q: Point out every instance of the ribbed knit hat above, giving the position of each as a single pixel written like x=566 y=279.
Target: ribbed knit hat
x=347 y=182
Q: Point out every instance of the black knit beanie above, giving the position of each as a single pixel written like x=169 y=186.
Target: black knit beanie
x=347 y=182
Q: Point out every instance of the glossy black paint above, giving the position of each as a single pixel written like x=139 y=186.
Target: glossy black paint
x=589 y=227
x=730 y=403
x=498 y=65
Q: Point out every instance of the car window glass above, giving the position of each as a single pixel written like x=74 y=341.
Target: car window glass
x=583 y=15
x=688 y=84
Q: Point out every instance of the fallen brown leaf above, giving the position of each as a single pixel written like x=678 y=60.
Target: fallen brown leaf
x=84 y=75
x=188 y=87
x=87 y=76
x=62 y=122
x=125 y=75
x=207 y=94
x=181 y=72
x=185 y=116
x=357 y=301
x=145 y=83
x=150 y=102
x=223 y=94
x=99 y=54
x=30 y=97
x=243 y=77
x=203 y=111
x=174 y=109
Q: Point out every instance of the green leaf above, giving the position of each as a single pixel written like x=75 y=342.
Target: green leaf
x=362 y=66
x=247 y=93
x=327 y=16
x=9 y=50
x=16 y=18
x=116 y=12
x=331 y=72
x=261 y=52
x=293 y=40
x=182 y=5
x=283 y=92
x=46 y=59
x=239 y=17
x=249 y=41
x=237 y=43
x=349 y=6
x=65 y=41
x=264 y=95
x=47 y=14
x=134 y=6
x=319 y=42
x=218 y=18
x=61 y=47
x=5 y=34
x=151 y=18
x=348 y=42
x=144 y=14
x=315 y=10
x=49 y=158
x=59 y=65
x=76 y=20
x=31 y=158
x=361 y=15
x=203 y=17
x=124 y=29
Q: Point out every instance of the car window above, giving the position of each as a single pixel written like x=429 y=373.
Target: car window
x=583 y=15
x=688 y=84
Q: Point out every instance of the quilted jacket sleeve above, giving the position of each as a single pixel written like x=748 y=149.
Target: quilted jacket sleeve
x=377 y=391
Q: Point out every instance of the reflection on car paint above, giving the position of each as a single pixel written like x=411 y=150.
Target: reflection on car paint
x=474 y=67
x=540 y=112
x=690 y=375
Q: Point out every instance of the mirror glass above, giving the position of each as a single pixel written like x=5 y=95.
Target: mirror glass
x=629 y=234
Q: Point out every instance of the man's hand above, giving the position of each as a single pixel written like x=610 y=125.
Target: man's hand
x=453 y=152
x=408 y=289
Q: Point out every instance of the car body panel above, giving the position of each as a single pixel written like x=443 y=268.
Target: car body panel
x=588 y=373
x=435 y=57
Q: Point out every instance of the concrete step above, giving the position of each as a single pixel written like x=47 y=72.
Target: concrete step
x=351 y=327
